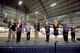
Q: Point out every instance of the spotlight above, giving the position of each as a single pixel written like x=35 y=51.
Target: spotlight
x=53 y=4
x=36 y=12
x=20 y=2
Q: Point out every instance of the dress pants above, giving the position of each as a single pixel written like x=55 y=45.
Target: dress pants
x=18 y=36
x=11 y=32
x=73 y=36
x=28 y=35
x=65 y=35
x=47 y=36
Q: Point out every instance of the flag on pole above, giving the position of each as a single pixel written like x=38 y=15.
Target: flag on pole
x=22 y=19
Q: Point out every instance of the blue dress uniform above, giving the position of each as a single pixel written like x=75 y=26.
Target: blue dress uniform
x=47 y=30
x=65 y=32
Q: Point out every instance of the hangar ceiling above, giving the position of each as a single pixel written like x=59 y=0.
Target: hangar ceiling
x=44 y=6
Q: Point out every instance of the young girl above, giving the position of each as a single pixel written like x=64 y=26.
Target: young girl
x=55 y=27
x=27 y=29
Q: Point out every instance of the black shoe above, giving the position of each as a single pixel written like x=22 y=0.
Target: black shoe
x=8 y=41
x=74 y=40
x=17 y=41
x=66 y=41
x=28 y=39
x=47 y=41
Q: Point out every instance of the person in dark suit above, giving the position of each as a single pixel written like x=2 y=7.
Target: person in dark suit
x=19 y=29
x=47 y=30
x=73 y=33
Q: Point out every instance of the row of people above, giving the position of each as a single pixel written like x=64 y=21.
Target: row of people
x=56 y=32
x=17 y=28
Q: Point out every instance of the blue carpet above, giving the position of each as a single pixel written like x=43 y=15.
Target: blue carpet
x=40 y=49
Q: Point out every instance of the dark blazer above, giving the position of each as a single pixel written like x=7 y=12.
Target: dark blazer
x=47 y=28
x=13 y=26
x=37 y=26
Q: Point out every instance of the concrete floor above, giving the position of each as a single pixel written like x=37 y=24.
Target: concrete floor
x=41 y=41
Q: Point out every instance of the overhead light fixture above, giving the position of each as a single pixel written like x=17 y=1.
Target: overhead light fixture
x=53 y=4
x=20 y=2
x=36 y=12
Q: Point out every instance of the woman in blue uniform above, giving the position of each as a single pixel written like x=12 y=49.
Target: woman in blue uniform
x=47 y=30
x=65 y=32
